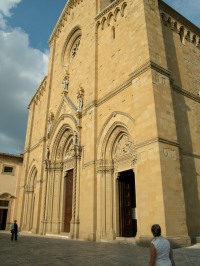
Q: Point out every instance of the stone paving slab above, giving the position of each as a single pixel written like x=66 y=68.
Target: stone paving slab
x=42 y=250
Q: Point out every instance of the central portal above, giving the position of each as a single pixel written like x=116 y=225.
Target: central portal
x=127 y=204
x=68 y=200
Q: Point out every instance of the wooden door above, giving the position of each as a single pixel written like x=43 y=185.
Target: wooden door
x=68 y=200
x=125 y=210
x=127 y=204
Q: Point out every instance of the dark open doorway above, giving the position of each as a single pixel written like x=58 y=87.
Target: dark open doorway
x=68 y=200
x=3 y=218
x=127 y=204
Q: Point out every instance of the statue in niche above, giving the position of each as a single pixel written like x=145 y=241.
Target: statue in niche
x=75 y=138
x=80 y=95
x=50 y=122
x=65 y=83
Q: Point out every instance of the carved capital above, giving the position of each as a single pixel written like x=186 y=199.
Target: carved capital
x=104 y=166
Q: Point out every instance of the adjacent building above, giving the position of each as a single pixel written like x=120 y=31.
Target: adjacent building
x=10 y=173
x=113 y=135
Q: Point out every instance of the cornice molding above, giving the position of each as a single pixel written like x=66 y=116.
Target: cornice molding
x=156 y=139
x=150 y=65
x=108 y=9
x=39 y=92
x=115 y=92
x=185 y=153
x=127 y=83
x=178 y=17
x=185 y=93
x=29 y=149
x=66 y=11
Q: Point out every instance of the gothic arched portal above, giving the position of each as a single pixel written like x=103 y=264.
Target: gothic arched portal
x=116 y=197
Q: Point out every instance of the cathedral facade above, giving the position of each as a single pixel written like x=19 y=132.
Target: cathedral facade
x=113 y=134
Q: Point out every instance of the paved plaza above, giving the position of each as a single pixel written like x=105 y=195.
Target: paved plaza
x=42 y=250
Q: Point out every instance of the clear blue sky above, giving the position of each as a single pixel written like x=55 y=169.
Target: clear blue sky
x=25 y=27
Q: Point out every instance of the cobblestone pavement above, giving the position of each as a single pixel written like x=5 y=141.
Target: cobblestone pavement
x=42 y=250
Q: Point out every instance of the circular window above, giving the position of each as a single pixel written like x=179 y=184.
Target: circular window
x=71 y=46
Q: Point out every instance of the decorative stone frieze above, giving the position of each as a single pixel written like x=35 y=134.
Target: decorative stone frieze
x=112 y=6
x=112 y=11
x=29 y=188
x=179 y=24
x=104 y=166
x=170 y=153
x=39 y=93
x=68 y=164
x=54 y=165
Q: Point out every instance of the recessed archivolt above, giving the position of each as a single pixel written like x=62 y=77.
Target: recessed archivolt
x=106 y=19
x=109 y=144
x=184 y=32
x=32 y=175
x=119 y=120
x=60 y=139
x=72 y=122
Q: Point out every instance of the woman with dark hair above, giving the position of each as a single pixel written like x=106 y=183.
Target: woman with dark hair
x=160 y=251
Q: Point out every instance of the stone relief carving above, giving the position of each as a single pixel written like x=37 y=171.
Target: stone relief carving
x=69 y=152
x=169 y=153
x=69 y=164
x=104 y=166
x=124 y=146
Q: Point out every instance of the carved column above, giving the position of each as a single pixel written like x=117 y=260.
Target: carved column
x=74 y=228
x=105 y=200
x=44 y=203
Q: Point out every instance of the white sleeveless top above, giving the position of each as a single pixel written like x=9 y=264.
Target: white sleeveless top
x=162 y=247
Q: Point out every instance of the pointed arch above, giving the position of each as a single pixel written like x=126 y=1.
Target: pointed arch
x=60 y=142
x=116 y=124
